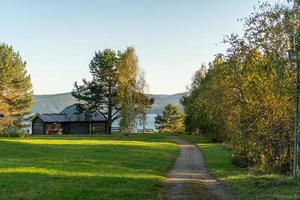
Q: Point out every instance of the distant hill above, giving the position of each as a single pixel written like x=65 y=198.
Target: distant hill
x=55 y=103
x=163 y=99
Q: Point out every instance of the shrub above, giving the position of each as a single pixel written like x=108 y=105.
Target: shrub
x=13 y=133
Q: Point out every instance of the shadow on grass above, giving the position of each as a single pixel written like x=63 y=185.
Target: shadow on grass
x=251 y=186
x=82 y=171
x=28 y=186
x=76 y=156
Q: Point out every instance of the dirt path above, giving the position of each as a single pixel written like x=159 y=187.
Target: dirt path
x=189 y=179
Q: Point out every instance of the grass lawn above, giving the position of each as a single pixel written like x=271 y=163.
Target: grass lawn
x=246 y=184
x=84 y=167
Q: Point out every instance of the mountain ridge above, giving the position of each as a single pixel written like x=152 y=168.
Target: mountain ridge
x=54 y=103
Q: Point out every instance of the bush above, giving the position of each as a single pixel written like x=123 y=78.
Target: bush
x=13 y=133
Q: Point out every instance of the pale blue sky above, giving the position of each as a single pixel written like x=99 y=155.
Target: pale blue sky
x=58 y=38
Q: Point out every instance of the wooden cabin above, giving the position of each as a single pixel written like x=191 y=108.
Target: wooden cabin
x=72 y=120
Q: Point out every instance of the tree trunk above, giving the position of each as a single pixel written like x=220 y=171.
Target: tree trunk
x=144 y=122
x=109 y=113
x=109 y=119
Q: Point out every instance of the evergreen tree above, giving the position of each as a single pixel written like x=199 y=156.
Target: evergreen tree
x=101 y=92
x=15 y=88
x=171 y=121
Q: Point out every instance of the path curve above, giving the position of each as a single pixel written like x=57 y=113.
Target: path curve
x=189 y=179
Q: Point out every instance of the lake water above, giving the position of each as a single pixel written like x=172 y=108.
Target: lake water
x=150 y=122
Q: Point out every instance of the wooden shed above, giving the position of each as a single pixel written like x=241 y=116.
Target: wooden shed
x=72 y=120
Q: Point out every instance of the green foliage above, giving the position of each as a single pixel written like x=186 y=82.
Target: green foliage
x=198 y=119
x=15 y=88
x=110 y=167
x=133 y=101
x=246 y=96
x=171 y=121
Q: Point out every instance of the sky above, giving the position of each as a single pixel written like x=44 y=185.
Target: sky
x=58 y=38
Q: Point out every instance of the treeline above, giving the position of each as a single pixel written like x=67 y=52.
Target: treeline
x=245 y=97
x=116 y=89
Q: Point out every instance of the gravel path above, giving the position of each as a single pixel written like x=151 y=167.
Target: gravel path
x=189 y=179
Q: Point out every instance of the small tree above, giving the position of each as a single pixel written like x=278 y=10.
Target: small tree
x=171 y=121
x=15 y=88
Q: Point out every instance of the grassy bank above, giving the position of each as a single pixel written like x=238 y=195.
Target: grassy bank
x=90 y=167
x=245 y=183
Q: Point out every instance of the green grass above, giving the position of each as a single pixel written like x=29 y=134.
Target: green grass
x=245 y=183
x=84 y=167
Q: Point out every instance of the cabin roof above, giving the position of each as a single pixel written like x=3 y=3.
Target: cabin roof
x=73 y=113
x=77 y=112
x=52 y=117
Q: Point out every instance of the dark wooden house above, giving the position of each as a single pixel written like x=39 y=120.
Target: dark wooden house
x=72 y=120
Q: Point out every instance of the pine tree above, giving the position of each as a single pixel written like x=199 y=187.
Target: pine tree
x=101 y=92
x=15 y=88
x=171 y=121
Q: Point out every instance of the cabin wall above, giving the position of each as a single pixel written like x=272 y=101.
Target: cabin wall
x=99 y=127
x=38 y=126
x=79 y=128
